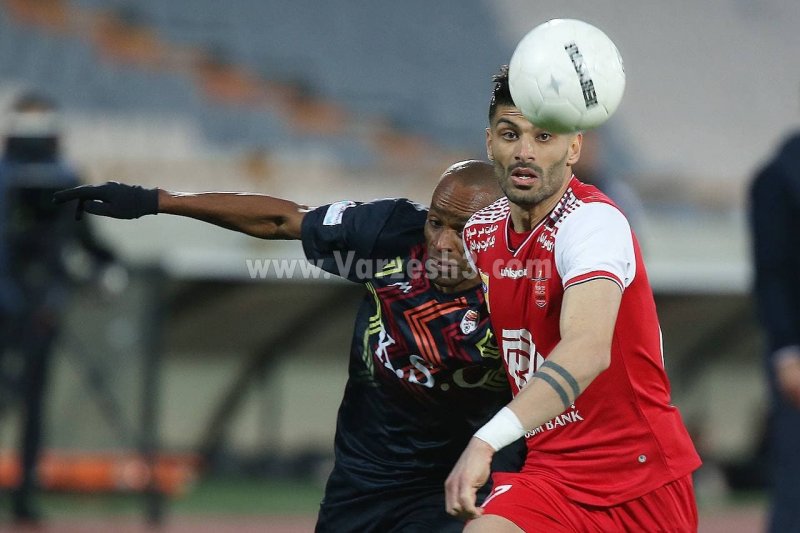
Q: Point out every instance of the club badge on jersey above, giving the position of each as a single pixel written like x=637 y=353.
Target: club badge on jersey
x=470 y=321
x=540 y=283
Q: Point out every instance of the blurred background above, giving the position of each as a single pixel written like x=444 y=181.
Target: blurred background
x=182 y=389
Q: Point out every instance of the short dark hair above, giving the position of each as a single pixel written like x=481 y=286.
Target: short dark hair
x=501 y=94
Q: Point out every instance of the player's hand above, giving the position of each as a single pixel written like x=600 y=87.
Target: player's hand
x=468 y=475
x=787 y=371
x=112 y=199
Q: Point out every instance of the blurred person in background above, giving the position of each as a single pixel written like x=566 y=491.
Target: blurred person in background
x=775 y=225
x=36 y=244
x=424 y=369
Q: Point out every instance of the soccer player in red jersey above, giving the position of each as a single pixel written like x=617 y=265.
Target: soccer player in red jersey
x=573 y=312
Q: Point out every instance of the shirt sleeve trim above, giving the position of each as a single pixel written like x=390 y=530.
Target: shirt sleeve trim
x=597 y=274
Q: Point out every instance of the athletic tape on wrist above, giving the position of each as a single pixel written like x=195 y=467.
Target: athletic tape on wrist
x=503 y=429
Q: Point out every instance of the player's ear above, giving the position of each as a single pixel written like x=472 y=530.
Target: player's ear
x=574 y=150
x=489 y=152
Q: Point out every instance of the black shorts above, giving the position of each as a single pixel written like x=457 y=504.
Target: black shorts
x=402 y=508
x=356 y=504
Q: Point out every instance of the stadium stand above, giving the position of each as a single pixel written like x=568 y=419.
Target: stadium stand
x=253 y=73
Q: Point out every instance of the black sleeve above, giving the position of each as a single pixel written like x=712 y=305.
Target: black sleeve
x=771 y=207
x=335 y=236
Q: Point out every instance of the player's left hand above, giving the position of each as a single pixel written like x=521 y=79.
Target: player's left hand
x=112 y=199
x=468 y=475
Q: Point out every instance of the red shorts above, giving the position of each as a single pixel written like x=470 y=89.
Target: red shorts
x=535 y=504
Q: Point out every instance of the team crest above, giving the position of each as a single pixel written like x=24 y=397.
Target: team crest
x=540 y=289
x=470 y=322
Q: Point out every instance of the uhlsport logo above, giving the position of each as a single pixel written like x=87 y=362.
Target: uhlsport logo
x=513 y=273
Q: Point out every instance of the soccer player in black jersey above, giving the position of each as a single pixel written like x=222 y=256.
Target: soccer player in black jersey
x=424 y=371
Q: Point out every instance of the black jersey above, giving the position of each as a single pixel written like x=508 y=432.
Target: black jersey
x=424 y=370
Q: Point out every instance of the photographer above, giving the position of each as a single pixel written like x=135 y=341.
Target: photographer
x=35 y=243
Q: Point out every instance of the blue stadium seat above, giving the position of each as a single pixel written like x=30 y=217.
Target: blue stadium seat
x=402 y=61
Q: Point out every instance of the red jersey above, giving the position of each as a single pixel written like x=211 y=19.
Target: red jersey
x=621 y=438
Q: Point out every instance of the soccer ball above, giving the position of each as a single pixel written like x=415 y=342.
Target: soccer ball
x=566 y=76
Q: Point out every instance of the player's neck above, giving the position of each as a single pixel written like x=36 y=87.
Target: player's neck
x=467 y=284
x=525 y=218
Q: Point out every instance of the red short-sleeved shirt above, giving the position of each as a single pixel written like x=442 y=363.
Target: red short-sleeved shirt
x=622 y=437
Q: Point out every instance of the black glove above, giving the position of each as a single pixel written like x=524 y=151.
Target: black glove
x=115 y=200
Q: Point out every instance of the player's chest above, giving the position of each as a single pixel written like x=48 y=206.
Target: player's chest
x=426 y=340
x=426 y=319
x=522 y=285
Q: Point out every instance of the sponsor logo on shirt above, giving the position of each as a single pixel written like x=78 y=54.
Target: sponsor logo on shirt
x=561 y=420
x=513 y=273
x=521 y=357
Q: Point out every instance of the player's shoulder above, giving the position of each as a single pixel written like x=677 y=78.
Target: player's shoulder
x=587 y=219
x=491 y=214
x=398 y=207
x=381 y=208
x=400 y=215
x=583 y=201
x=587 y=193
x=404 y=204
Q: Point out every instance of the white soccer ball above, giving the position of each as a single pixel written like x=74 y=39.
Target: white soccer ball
x=566 y=75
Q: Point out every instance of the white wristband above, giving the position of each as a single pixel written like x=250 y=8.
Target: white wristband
x=503 y=429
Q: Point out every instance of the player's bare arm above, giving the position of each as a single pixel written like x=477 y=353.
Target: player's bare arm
x=588 y=317
x=258 y=215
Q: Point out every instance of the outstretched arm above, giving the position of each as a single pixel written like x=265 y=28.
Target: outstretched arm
x=258 y=215
x=588 y=317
